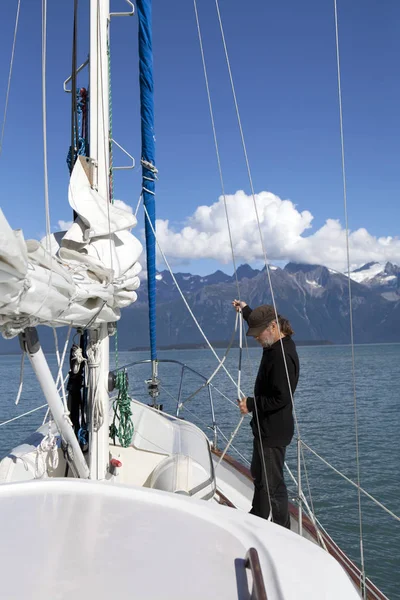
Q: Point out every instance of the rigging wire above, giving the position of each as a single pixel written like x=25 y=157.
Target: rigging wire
x=211 y=111
x=186 y=302
x=267 y=267
x=233 y=257
x=74 y=115
x=355 y=484
x=216 y=144
x=44 y=114
x=10 y=76
x=236 y=430
x=24 y=414
x=208 y=381
x=210 y=106
x=353 y=369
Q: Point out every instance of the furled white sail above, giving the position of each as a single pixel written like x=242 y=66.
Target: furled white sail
x=87 y=275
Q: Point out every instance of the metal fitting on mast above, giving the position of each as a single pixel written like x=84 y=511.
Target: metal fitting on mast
x=153 y=385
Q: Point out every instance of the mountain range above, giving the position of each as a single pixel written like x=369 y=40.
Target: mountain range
x=314 y=298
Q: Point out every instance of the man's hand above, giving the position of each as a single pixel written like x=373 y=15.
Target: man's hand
x=243 y=406
x=238 y=305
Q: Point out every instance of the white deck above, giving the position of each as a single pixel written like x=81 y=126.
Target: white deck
x=126 y=537
x=60 y=537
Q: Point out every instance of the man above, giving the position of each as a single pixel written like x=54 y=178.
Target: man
x=271 y=406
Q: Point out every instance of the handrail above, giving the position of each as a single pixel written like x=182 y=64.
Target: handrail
x=207 y=384
x=215 y=428
x=162 y=360
x=252 y=562
x=127 y=167
x=79 y=69
x=124 y=14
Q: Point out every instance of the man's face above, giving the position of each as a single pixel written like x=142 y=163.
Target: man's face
x=269 y=336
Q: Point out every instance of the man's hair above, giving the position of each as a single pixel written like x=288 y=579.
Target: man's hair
x=285 y=326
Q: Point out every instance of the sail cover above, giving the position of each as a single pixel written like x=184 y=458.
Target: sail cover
x=148 y=157
x=86 y=276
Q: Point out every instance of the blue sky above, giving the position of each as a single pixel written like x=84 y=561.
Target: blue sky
x=284 y=65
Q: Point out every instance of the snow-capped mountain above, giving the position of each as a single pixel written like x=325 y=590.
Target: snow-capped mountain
x=314 y=298
x=382 y=277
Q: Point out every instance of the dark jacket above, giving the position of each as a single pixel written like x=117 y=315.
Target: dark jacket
x=272 y=394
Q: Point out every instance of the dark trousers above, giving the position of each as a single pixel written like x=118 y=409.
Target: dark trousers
x=274 y=459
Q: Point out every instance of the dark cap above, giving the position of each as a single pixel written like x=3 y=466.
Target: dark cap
x=260 y=318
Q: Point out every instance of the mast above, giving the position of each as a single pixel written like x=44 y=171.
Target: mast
x=149 y=172
x=98 y=346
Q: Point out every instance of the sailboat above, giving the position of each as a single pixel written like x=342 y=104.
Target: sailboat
x=113 y=496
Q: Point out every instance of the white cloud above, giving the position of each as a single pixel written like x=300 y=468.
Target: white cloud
x=64 y=225
x=121 y=204
x=284 y=231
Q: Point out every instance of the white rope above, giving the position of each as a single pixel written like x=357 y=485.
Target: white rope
x=350 y=295
x=239 y=393
x=224 y=396
x=234 y=447
x=9 y=77
x=320 y=528
x=261 y=453
x=21 y=378
x=205 y=424
x=183 y=405
x=257 y=215
x=166 y=391
x=60 y=363
x=356 y=485
x=185 y=301
x=225 y=206
x=240 y=318
x=262 y=456
x=232 y=437
x=24 y=415
x=94 y=399
x=304 y=464
x=58 y=390
x=209 y=380
x=47 y=414
x=138 y=204
x=60 y=367
x=56 y=345
x=255 y=203
x=47 y=449
x=245 y=151
x=310 y=510
x=236 y=430
x=77 y=359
